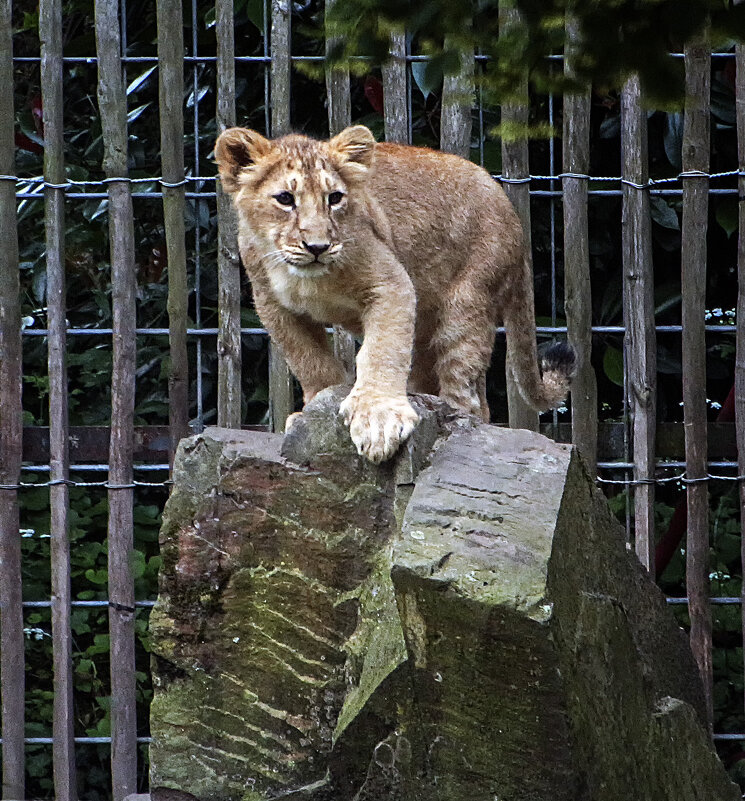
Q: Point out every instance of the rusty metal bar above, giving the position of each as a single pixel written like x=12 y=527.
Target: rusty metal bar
x=112 y=103
x=638 y=303
x=12 y=662
x=696 y=145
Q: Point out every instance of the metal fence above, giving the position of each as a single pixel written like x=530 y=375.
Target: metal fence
x=631 y=455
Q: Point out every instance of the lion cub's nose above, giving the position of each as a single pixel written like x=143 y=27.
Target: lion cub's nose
x=316 y=248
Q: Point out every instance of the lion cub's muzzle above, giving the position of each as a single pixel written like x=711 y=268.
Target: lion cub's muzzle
x=312 y=256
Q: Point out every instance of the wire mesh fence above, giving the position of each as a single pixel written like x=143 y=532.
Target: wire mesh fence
x=134 y=325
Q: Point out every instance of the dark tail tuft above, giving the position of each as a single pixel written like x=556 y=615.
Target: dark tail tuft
x=558 y=357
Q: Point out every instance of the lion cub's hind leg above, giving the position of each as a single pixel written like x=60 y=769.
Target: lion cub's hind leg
x=463 y=341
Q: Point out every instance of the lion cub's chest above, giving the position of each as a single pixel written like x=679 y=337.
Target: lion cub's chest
x=315 y=296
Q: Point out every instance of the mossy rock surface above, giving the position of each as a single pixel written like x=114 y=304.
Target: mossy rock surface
x=464 y=622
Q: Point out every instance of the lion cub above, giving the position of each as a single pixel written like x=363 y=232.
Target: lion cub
x=418 y=252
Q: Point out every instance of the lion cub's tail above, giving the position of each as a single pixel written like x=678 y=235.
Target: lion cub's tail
x=547 y=387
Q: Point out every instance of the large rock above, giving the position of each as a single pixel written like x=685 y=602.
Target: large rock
x=463 y=622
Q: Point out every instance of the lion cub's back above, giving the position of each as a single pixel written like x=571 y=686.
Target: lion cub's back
x=440 y=204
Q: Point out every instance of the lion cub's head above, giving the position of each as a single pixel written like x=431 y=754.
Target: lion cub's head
x=295 y=194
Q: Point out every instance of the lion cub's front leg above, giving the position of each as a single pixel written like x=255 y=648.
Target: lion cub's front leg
x=377 y=410
x=304 y=345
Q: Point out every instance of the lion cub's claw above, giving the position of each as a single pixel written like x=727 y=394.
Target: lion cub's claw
x=378 y=424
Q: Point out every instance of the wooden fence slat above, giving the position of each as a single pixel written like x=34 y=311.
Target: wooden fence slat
x=228 y=260
x=455 y=118
x=281 y=402
x=577 y=282
x=340 y=116
x=112 y=102
x=515 y=166
x=12 y=662
x=740 y=334
x=50 y=34
x=171 y=99
x=696 y=138
x=638 y=304
x=395 y=94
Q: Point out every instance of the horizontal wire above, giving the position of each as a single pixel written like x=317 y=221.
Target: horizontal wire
x=682 y=478
x=38 y=181
x=77 y=740
x=728 y=328
x=149 y=604
x=410 y=58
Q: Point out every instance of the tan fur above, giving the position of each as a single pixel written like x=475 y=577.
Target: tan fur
x=423 y=255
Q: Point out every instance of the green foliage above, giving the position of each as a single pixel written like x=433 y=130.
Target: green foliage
x=88 y=539
x=614 y=37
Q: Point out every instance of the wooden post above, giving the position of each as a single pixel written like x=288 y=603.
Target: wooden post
x=638 y=304
x=516 y=171
x=281 y=403
x=340 y=116
x=50 y=34
x=693 y=282
x=395 y=94
x=12 y=661
x=455 y=120
x=577 y=282
x=228 y=259
x=171 y=98
x=112 y=102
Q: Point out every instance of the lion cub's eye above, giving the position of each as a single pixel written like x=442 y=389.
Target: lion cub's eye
x=335 y=198
x=285 y=199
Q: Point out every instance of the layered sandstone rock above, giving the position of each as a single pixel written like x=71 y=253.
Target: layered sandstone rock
x=463 y=622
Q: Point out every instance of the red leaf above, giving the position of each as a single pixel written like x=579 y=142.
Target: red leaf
x=374 y=93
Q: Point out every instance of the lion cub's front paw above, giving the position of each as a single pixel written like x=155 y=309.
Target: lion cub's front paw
x=378 y=424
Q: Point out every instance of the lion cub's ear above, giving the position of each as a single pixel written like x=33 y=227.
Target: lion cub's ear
x=353 y=148
x=236 y=149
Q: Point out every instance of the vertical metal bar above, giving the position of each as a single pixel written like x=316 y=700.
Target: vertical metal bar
x=50 y=34
x=457 y=99
x=340 y=116
x=199 y=205
x=281 y=402
x=395 y=100
x=228 y=259
x=112 y=102
x=171 y=98
x=638 y=303
x=12 y=662
x=740 y=334
x=696 y=138
x=552 y=228
x=515 y=167
x=577 y=285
